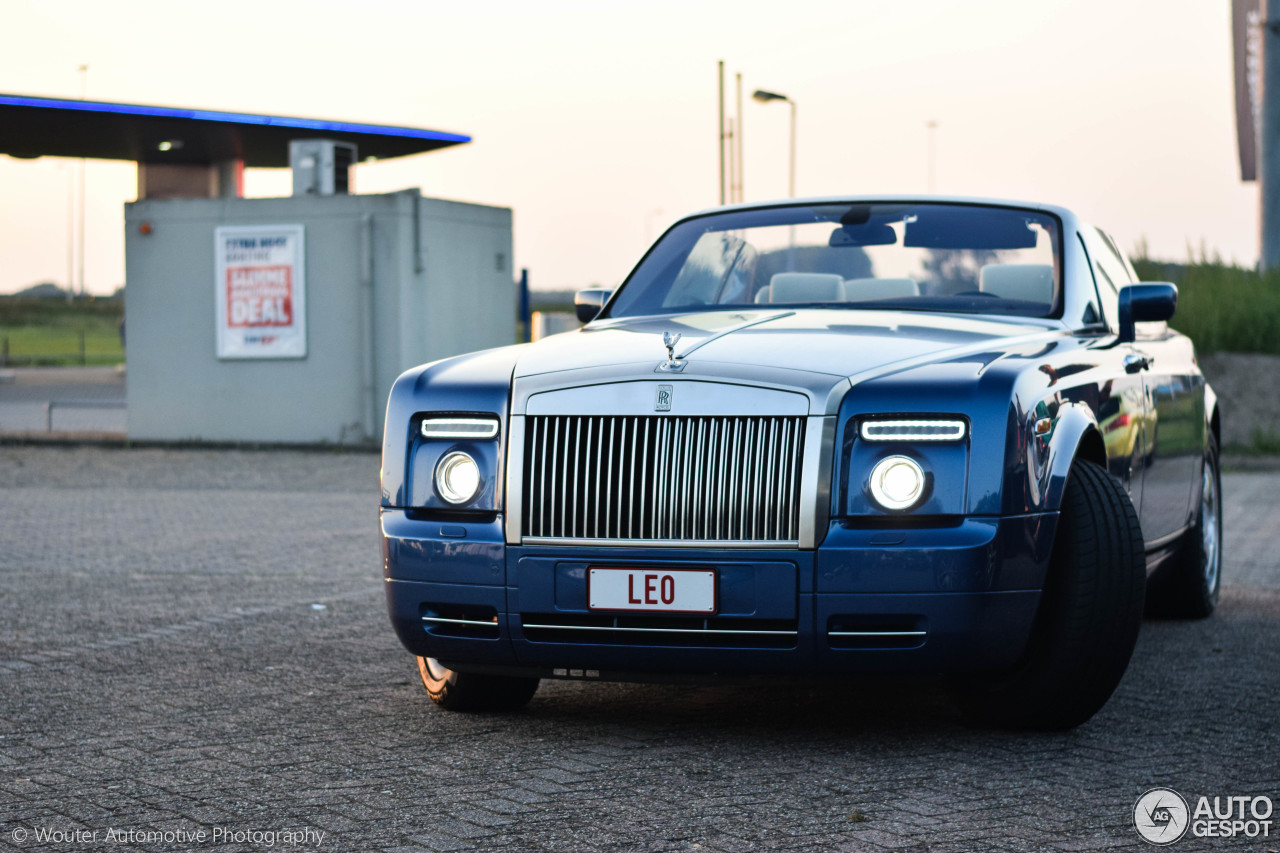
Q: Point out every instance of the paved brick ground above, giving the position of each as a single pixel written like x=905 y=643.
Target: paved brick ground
x=196 y=640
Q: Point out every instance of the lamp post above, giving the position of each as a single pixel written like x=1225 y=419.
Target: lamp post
x=84 y=87
x=933 y=151
x=765 y=97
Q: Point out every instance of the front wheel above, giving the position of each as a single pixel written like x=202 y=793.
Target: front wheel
x=466 y=691
x=1087 y=625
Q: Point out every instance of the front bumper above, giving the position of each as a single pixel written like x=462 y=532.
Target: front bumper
x=958 y=597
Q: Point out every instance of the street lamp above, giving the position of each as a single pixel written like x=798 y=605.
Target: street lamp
x=765 y=97
x=933 y=127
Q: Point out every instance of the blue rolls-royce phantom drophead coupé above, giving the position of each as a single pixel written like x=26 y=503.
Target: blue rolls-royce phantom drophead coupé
x=941 y=436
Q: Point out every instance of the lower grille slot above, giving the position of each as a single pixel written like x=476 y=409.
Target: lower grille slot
x=876 y=632
x=660 y=631
x=454 y=620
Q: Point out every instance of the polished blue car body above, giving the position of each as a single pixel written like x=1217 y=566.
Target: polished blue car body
x=953 y=586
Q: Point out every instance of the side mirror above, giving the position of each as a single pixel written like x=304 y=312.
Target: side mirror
x=587 y=303
x=1145 y=303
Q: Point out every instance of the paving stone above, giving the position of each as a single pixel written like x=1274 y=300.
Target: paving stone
x=162 y=666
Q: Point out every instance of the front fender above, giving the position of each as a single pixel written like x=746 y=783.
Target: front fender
x=1073 y=433
x=475 y=383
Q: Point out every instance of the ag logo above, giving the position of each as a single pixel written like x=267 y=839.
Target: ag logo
x=1161 y=816
x=663 y=401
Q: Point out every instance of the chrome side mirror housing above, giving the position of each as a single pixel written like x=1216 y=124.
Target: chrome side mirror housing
x=587 y=303
x=1148 y=302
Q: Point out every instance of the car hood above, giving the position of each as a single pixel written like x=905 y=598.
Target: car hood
x=836 y=342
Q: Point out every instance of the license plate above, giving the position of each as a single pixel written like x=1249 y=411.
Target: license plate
x=652 y=590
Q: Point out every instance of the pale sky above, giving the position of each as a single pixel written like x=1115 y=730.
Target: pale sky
x=596 y=121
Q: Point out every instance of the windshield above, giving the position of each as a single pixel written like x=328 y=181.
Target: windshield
x=927 y=257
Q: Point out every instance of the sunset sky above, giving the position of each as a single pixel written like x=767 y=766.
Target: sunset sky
x=596 y=122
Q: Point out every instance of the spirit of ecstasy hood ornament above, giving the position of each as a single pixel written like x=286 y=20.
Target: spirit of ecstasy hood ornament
x=673 y=364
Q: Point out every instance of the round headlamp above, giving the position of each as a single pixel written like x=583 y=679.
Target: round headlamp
x=457 y=477
x=897 y=482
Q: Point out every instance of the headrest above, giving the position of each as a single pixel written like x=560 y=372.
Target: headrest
x=806 y=287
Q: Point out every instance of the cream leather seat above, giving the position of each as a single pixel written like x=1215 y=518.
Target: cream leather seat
x=806 y=287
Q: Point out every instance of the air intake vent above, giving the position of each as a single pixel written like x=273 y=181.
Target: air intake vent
x=653 y=479
x=876 y=632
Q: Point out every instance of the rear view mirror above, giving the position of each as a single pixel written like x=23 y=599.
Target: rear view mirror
x=587 y=303
x=1148 y=302
x=871 y=234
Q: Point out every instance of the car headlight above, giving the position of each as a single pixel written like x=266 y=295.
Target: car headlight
x=457 y=477
x=897 y=483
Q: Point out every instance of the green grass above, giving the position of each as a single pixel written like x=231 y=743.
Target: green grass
x=48 y=331
x=1222 y=308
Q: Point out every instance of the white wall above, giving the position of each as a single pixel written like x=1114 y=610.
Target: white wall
x=377 y=303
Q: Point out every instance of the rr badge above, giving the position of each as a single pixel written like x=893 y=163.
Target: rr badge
x=663 y=402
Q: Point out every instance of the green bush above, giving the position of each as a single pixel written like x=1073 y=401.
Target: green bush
x=1222 y=308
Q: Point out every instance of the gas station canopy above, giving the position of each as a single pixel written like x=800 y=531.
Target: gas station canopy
x=34 y=127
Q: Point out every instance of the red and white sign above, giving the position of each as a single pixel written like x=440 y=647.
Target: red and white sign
x=653 y=590
x=261 y=292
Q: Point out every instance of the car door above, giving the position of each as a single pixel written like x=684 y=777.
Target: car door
x=1174 y=404
x=1123 y=411
x=1176 y=425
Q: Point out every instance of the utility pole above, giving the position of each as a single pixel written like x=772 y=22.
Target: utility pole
x=721 y=130
x=738 y=197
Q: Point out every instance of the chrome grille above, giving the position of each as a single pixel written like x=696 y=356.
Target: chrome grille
x=696 y=479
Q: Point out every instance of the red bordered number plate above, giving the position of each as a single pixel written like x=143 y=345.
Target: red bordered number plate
x=652 y=590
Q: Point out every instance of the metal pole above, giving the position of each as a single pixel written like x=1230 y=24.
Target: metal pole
x=738 y=130
x=793 y=148
x=526 y=326
x=1269 y=157
x=933 y=127
x=71 y=232
x=720 y=64
x=733 y=163
x=84 y=76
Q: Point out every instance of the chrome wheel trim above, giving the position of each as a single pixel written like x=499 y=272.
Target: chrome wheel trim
x=437 y=670
x=1209 y=526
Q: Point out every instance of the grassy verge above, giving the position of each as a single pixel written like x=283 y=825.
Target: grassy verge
x=1222 y=308
x=55 y=332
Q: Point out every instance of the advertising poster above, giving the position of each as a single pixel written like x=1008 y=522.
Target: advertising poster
x=261 y=291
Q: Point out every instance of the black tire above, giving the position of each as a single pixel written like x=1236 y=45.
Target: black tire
x=1087 y=625
x=465 y=691
x=1187 y=586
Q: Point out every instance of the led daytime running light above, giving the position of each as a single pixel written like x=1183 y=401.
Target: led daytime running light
x=919 y=430
x=459 y=428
